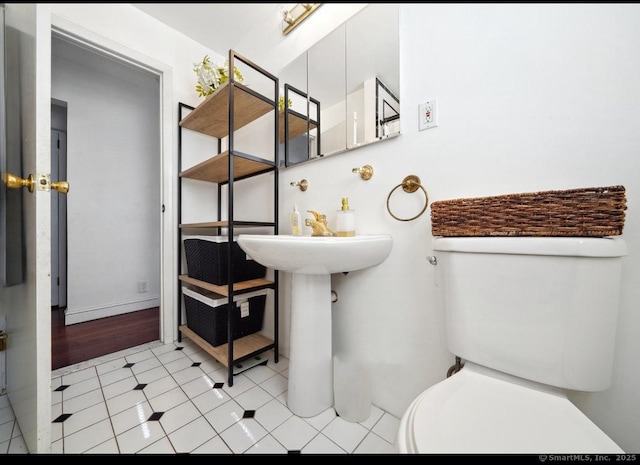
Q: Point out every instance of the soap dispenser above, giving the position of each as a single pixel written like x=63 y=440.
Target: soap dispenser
x=346 y=220
x=295 y=221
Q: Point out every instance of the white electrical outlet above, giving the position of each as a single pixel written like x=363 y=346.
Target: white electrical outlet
x=428 y=116
x=142 y=286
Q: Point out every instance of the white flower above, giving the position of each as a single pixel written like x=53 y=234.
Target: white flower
x=211 y=76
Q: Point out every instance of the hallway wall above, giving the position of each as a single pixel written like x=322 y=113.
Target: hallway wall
x=113 y=162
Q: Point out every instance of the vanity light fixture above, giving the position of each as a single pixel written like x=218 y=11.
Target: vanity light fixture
x=295 y=15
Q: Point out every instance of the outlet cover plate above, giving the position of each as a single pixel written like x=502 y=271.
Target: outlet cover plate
x=428 y=114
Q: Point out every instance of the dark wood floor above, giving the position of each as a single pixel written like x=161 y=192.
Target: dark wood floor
x=83 y=341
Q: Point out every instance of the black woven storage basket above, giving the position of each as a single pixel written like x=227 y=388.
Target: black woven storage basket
x=207 y=261
x=210 y=322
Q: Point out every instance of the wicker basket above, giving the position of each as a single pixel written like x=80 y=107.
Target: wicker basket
x=594 y=212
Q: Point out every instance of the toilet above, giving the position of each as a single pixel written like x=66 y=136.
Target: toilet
x=530 y=319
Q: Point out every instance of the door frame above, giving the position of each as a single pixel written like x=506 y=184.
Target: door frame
x=82 y=37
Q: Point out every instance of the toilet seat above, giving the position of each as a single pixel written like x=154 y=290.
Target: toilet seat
x=478 y=410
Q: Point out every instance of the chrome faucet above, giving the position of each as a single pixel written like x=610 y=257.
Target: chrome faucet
x=318 y=224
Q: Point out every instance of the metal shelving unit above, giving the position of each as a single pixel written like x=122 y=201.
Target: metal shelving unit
x=233 y=106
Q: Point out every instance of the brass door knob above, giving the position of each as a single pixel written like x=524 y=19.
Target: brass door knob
x=60 y=186
x=15 y=182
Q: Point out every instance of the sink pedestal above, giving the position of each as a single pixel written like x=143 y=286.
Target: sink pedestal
x=311 y=261
x=310 y=389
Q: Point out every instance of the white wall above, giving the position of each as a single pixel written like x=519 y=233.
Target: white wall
x=530 y=97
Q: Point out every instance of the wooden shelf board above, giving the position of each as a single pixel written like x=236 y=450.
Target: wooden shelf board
x=212 y=115
x=216 y=169
x=241 y=347
x=297 y=125
x=224 y=290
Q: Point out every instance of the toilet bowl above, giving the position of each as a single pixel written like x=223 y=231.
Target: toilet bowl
x=531 y=318
x=480 y=411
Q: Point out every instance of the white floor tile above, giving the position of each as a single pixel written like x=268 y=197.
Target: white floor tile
x=322 y=445
x=131 y=417
x=84 y=418
x=163 y=446
x=179 y=416
x=160 y=386
x=224 y=416
x=267 y=445
x=119 y=387
x=168 y=400
x=140 y=437
x=294 y=433
x=80 y=387
x=213 y=446
x=107 y=447
x=275 y=385
x=82 y=401
x=145 y=365
x=387 y=427
x=152 y=375
x=197 y=386
x=373 y=444
x=253 y=399
x=192 y=435
x=88 y=438
x=116 y=375
x=346 y=434
x=210 y=399
x=124 y=401
x=272 y=414
x=243 y=435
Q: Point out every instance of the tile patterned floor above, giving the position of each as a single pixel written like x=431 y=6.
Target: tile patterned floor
x=174 y=399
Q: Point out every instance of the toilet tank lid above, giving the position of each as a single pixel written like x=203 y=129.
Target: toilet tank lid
x=564 y=246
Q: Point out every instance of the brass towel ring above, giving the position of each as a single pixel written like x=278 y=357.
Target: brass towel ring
x=409 y=184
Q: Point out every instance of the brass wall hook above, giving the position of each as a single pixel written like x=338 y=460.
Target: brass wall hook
x=366 y=172
x=303 y=184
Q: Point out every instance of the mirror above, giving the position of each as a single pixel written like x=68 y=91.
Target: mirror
x=346 y=87
x=327 y=85
x=373 y=83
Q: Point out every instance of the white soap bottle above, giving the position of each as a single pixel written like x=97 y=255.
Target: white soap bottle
x=346 y=220
x=295 y=221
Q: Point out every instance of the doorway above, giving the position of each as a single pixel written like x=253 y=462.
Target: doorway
x=106 y=232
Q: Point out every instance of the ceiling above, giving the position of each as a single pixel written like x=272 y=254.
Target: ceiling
x=218 y=26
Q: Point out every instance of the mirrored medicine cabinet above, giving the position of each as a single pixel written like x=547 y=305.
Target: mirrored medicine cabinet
x=343 y=93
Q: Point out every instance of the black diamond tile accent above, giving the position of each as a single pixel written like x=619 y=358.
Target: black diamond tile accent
x=139 y=387
x=294 y=452
x=128 y=365
x=62 y=417
x=218 y=385
x=249 y=414
x=179 y=348
x=195 y=364
x=62 y=387
x=155 y=416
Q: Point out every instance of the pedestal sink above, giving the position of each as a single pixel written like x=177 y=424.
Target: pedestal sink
x=311 y=261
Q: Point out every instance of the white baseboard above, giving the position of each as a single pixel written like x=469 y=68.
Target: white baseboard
x=81 y=315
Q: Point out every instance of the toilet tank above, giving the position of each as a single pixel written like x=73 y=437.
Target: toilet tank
x=540 y=308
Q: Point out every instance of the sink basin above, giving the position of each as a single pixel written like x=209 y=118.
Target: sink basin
x=311 y=261
x=316 y=255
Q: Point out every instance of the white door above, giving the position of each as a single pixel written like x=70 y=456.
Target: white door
x=27 y=304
